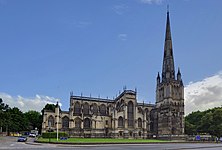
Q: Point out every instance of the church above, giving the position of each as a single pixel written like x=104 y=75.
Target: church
x=124 y=116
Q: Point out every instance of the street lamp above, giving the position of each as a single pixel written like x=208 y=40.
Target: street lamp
x=49 y=132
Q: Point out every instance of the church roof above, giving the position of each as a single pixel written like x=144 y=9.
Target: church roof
x=92 y=99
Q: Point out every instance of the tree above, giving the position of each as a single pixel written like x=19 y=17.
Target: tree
x=216 y=126
x=190 y=129
x=3 y=115
x=16 y=120
x=192 y=122
x=49 y=107
x=206 y=122
x=209 y=121
x=34 y=119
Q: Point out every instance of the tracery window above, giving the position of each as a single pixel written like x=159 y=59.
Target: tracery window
x=87 y=123
x=86 y=109
x=65 y=122
x=78 y=123
x=130 y=114
x=102 y=110
x=94 y=109
x=51 y=121
x=120 y=121
x=140 y=123
x=77 y=108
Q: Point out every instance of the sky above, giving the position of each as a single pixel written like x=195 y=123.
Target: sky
x=96 y=47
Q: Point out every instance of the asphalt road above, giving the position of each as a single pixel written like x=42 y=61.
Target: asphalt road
x=10 y=143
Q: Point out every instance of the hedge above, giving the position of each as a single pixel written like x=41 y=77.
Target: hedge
x=54 y=134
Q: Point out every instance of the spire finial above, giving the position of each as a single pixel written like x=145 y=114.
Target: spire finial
x=178 y=70
x=168 y=71
x=57 y=104
x=168 y=7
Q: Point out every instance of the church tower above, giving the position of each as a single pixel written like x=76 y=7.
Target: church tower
x=169 y=94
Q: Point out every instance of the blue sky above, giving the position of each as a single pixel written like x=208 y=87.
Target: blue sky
x=51 y=47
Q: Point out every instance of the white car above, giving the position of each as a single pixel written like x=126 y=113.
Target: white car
x=32 y=135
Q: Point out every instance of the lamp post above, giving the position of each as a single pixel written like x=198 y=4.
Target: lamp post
x=57 y=126
x=49 y=132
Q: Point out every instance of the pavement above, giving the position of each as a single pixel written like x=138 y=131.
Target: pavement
x=10 y=143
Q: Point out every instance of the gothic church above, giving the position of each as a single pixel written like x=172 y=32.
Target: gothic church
x=124 y=117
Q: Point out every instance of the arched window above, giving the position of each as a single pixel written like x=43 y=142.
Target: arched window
x=102 y=110
x=87 y=123
x=86 y=109
x=78 y=123
x=95 y=109
x=147 y=114
x=77 y=108
x=152 y=127
x=120 y=122
x=65 y=122
x=140 y=123
x=130 y=114
x=51 y=121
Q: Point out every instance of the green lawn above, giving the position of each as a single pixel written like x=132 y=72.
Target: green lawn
x=101 y=140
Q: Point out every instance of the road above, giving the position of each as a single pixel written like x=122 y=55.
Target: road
x=10 y=143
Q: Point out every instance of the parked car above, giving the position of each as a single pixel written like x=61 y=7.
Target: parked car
x=32 y=135
x=22 y=139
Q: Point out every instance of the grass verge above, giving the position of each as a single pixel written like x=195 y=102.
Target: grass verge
x=99 y=140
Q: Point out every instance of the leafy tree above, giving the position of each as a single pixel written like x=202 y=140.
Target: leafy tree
x=216 y=127
x=49 y=107
x=192 y=122
x=206 y=122
x=16 y=120
x=209 y=121
x=190 y=129
x=34 y=119
x=3 y=114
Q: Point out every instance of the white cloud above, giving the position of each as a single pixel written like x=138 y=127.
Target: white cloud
x=204 y=94
x=122 y=36
x=200 y=95
x=120 y=9
x=152 y=1
x=25 y=104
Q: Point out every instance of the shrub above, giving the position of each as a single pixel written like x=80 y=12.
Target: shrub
x=54 y=134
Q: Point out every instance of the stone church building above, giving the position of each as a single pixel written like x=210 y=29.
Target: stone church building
x=124 y=116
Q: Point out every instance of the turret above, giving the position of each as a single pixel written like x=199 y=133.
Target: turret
x=57 y=108
x=158 y=78
x=179 y=77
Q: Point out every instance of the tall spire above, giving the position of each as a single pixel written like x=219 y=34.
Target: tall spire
x=168 y=71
